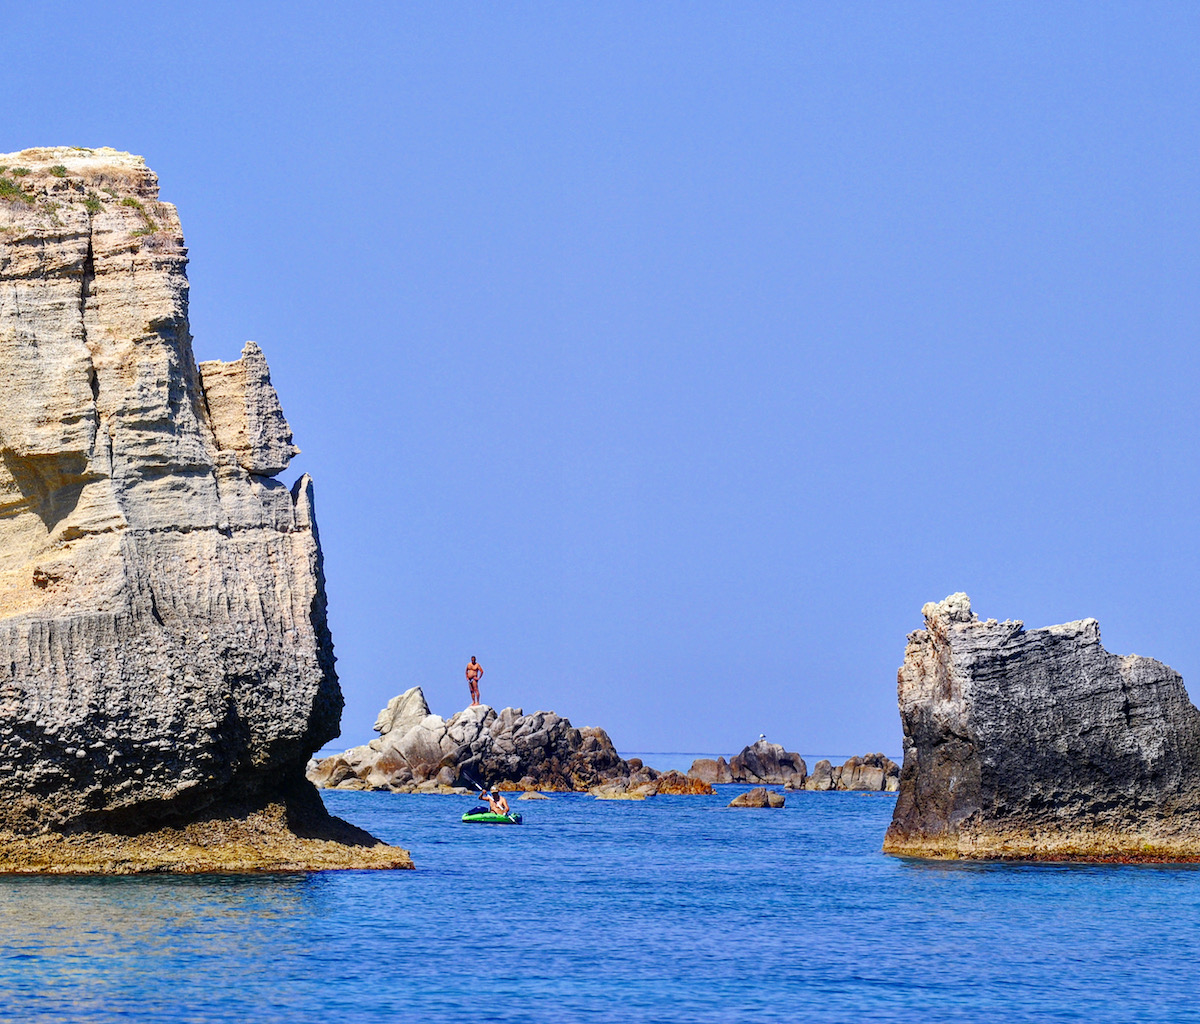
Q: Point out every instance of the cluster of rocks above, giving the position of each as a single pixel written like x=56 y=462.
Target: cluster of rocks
x=871 y=773
x=1040 y=744
x=762 y=762
x=770 y=764
x=168 y=666
x=420 y=752
x=670 y=783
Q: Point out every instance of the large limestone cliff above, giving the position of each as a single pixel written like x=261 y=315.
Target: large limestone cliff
x=1040 y=744
x=165 y=665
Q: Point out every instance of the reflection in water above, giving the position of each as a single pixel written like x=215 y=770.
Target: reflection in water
x=94 y=948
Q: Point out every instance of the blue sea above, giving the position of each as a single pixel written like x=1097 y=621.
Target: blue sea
x=672 y=909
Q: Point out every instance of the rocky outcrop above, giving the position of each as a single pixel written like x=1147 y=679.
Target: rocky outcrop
x=671 y=783
x=763 y=762
x=417 y=751
x=1041 y=744
x=714 y=772
x=872 y=773
x=167 y=667
x=770 y=764
x=759 y=797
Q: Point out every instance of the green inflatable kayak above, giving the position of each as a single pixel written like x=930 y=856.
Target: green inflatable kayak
x=488 y=818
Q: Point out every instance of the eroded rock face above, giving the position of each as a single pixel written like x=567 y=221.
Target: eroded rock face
x=420 y=752
x=1041 y=744
x=245 y=413
x=164 y=653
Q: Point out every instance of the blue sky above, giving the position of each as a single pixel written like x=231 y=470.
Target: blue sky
x=669 y=357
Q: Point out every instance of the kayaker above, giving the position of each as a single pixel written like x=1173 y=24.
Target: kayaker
x=496 y=802
x=474 y=674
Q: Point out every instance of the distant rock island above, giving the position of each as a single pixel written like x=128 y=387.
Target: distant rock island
x=769 y=763
x=1040 y=744
x=165 y=665
x=420 y=752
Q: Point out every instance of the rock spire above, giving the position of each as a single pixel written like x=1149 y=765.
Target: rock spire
x=165 y=665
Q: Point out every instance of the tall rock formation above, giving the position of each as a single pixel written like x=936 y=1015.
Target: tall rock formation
x=1040 y=744
x=165 y=664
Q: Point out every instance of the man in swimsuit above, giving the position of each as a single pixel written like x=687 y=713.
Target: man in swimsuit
x=474 y=674
x=496 y=802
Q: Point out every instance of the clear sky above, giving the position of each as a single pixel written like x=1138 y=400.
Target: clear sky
x=670 y=356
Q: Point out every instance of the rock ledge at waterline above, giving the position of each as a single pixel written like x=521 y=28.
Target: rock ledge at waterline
x=165 y=665
x=1041 y=745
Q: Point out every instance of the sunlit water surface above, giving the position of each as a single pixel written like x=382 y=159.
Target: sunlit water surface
x=672 y=909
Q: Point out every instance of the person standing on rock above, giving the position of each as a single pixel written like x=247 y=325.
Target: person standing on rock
x=474 y=674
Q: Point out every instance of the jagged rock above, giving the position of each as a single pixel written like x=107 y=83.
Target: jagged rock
x=402 y=712
x=162 y=606
x=1041 y=744
x=766 y=762
x=822 y=778
x=245 y=413
x=713 y=772
x=760 y=796
x=507 y=750
x=871 y=773
x=762 y=762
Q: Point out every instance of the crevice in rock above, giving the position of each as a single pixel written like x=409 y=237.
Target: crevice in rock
x=154 y=610
x=85 y=289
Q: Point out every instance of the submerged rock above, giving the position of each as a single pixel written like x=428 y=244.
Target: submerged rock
x=167 y=665
x=1041 y=744
x=760 y=796
x=507 y=750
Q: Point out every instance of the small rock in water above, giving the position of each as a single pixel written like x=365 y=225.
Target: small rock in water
x=533 y=796
x=760 y=796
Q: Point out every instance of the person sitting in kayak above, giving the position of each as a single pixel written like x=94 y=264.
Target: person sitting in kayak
x=496 y=802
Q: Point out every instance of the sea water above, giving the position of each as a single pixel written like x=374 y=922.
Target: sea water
x=671 y=909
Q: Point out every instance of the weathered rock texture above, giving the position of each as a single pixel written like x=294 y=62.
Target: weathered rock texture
x=761 y=762
x=670 y=783
x=1040 y=744
x=420 y=752
x=769 y=763
x=760 y=796
x=165 y=664
x=871 y=773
